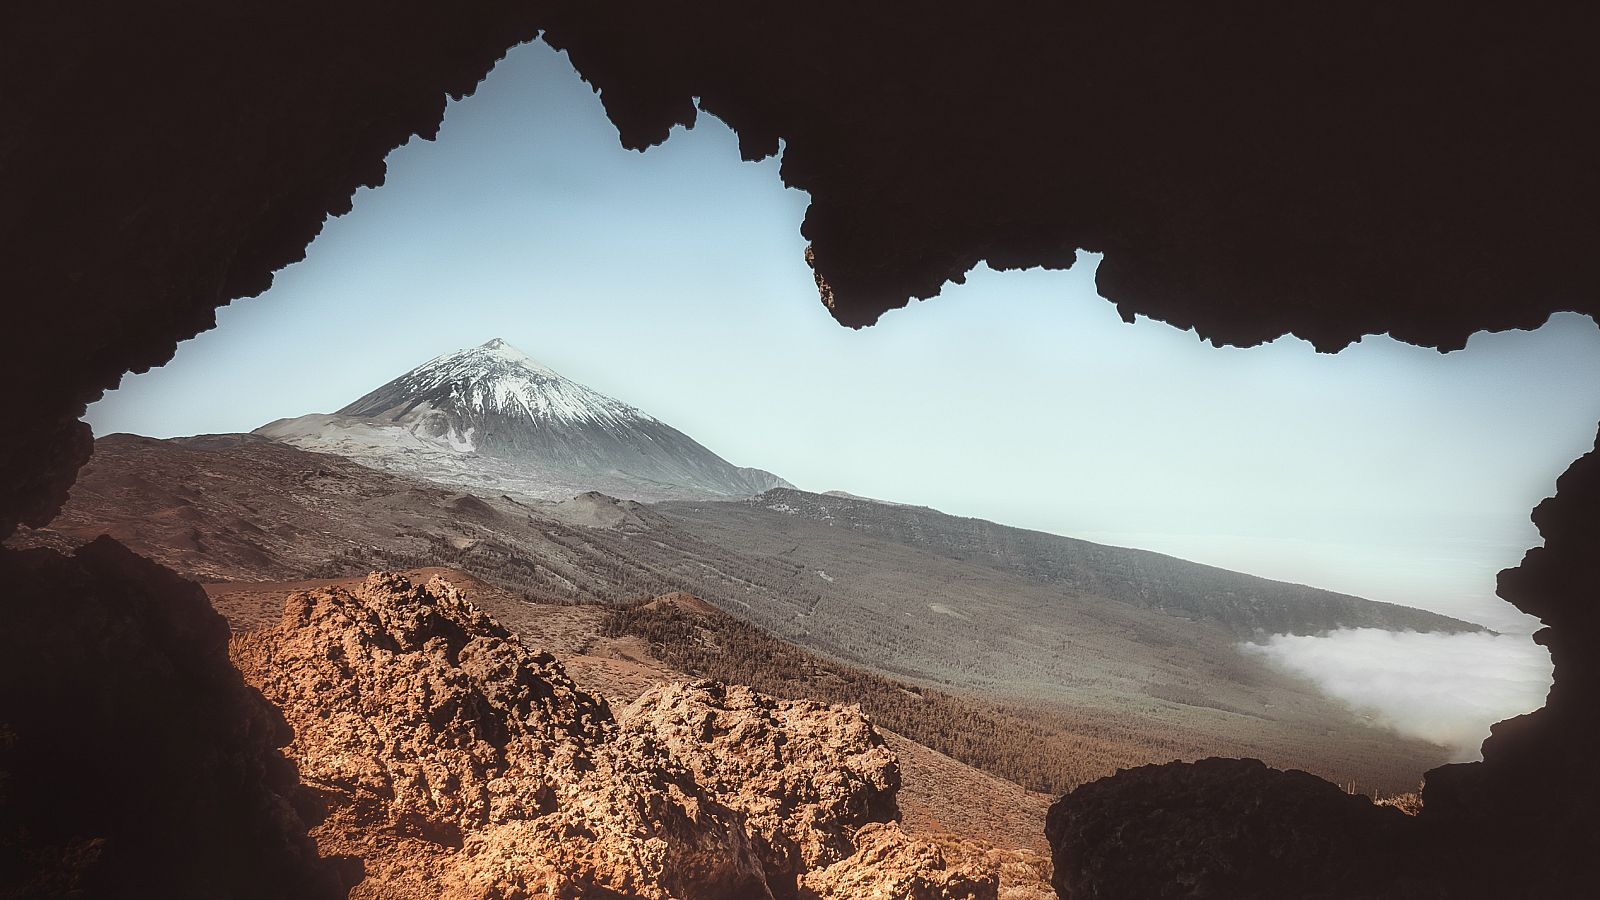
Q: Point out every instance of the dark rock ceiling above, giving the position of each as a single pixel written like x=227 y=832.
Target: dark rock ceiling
x=1323 y=169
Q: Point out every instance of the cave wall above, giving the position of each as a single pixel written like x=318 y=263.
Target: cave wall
x=1529 y=805
x=1249 y=169
x=161 y=159
x=1322 y=169
x=134 y=760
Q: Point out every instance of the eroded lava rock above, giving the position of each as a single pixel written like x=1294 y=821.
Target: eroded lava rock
x=806 y=775
x=890 y=863
x=457 y=763
x=435 y=734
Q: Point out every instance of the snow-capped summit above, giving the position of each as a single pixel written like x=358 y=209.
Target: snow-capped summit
x=493 y=416
x=500 y=348
x=490 y=379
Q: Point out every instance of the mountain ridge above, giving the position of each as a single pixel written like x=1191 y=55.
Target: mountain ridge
x=1239 y=601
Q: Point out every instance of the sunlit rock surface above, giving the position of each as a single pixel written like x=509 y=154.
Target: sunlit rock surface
x=806 y=775
x=457 y=763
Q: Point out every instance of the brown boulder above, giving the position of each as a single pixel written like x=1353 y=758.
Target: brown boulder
x=1230 y=828
x=890 y=863
x=457 y=763
x=418 y=706
x=461 y=764
x=806 y=774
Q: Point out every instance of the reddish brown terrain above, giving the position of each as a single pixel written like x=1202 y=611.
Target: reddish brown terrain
x=938 y=795
x=456 y=760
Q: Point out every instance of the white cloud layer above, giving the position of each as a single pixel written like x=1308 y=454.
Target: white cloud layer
x=1444 y=688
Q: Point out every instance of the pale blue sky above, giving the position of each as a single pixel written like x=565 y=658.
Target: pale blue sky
x=674 y=281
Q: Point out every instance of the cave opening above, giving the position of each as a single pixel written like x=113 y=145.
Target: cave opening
x=661 y=278
x=1532 y=764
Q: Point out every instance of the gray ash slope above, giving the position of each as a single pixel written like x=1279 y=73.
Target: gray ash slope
x=493 y=419
x=1244 y=604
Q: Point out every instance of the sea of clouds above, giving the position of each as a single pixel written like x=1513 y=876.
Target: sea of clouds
x=1443 y=688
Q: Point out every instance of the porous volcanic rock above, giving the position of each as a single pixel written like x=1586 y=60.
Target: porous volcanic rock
x=450 y=749
x=1024 y=874
x=457 y=763
x=806 y=774
x=890 y=863
x=134 y=761
x=1229 y=828
x=413 y=701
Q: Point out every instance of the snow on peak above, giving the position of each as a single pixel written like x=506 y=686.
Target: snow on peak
x=499 y=349
x=495 y=376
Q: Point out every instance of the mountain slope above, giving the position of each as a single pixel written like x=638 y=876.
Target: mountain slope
x=1072 y=685
x=492 y=418
x=1244 y=604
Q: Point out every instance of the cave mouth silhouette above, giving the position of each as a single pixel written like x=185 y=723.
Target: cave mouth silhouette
x=409 y=165
x=1328 y=172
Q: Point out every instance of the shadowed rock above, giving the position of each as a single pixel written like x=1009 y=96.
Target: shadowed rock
x=1524 y=816
x=134 y=762
x=1228 y=828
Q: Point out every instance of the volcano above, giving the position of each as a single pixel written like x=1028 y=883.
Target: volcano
x=493 y=418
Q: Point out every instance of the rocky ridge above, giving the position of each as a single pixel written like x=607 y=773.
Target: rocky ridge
x=455 y=762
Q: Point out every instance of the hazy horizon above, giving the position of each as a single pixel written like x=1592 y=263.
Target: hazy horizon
x=674 y=281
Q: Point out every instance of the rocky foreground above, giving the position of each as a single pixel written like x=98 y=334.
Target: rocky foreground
x=454 y=762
